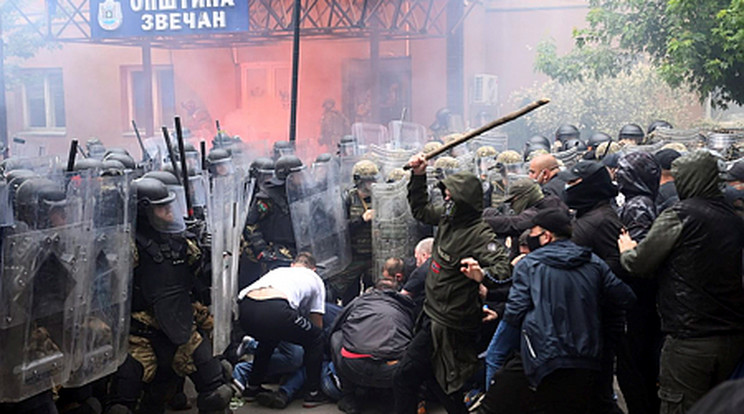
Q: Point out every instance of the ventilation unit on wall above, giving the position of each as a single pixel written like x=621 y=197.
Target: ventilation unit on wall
x=485 y=89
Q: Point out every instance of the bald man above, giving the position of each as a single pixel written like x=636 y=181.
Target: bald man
x=544 y=169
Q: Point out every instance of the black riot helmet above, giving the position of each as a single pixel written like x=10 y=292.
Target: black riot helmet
x=15 y=178
x=156 y=207
x=282 y=148
x=658 y=124
x=39 y=202
x=597 y=138
x=166 y=177
x=261 y=166
x=95 y=148
x=347 y=147
x=221 y=140
x=574 y=143
x=87 y=164
x=220 y=162
x=174 y=186
x=631 y=132
x=566 y=132
x=323 y=158
x=116 y=150
x=539 y=141
x=125 y=159
x=112 y=167
x=285 y=166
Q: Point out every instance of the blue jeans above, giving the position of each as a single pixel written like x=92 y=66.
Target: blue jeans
x=505 y=339
x=329 y=383
x=286 y=359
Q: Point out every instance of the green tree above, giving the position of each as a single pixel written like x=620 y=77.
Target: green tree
x=603 y=104
x=698 y=44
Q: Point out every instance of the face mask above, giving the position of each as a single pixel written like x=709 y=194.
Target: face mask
x=449 y=208
x=533 y=242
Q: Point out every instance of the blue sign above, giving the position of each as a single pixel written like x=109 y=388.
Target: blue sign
x=144 y=18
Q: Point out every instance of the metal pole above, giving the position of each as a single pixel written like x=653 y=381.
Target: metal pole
x=374 y=68
x=295 y=70
x=147 y=73
x=455 y=56
x=3 y=106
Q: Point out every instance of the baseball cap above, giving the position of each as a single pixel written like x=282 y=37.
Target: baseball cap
x=582 y=169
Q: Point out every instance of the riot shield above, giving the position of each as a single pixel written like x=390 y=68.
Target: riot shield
x=394 y=230
x=652 y=148
x=388 y=160
x=497 y=140
x=407 y=135
x=319 y=222
x=6 y=207
x=224 y=225
x=690 y=138
x=45 y=258
x=369 y=134
x=101 y=337
x=345 y=173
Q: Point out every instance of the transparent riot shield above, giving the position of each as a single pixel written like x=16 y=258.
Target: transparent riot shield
x=407 y=135
x=224 y=225
x=497 y=140
x=369 y=134
x=652 y=148
x=45 y=257
x=690 y=138
x=6 y=207
x=319 y=222
x=101 y=336
x=394 y=230
x=345 y=173
x=388 y=160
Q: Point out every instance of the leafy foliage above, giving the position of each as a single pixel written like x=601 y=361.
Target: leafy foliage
x=694 y=43
x=604 y=104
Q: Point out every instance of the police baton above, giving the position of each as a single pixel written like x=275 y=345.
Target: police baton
x=184 y=168
x=485 y=128
x=145 y=155
x=172 y=156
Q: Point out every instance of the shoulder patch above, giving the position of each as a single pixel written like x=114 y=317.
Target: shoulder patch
x=262 y=205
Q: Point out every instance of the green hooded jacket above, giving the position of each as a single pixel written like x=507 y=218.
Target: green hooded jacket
x=452 y=300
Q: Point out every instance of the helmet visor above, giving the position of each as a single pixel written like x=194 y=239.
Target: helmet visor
x=166 y=218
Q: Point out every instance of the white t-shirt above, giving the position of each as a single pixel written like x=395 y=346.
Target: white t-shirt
x=303 y=288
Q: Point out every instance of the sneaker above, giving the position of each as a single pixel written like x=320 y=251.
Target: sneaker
x=250 y=392
x=476 y=402
x=247 y=346
x=314 y=399
x=278 y=399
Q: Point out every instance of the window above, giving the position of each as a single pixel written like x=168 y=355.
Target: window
x=44 y=99
x=163 y=95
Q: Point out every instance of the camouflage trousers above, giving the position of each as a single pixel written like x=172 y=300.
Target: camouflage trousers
x=142 y=350
x=345 y=285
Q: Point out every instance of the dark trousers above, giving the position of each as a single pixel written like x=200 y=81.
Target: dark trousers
x=564 y=392
x=416 y=369
x=638 y=355
x=691 y=367
x=273 y=320
x=365 y=372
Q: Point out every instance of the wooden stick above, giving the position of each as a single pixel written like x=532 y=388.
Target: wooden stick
x=485 y=128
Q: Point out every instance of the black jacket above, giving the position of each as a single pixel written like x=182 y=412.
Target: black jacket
x=695 y=250
x=555 y=187
x=557 y=298
x=667 y=196
x=637 y=178
x=514 y=225
x=378 y=323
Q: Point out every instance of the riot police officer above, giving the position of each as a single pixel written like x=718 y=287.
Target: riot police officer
x=359 y=214
x=268 y=229
x=168 y=334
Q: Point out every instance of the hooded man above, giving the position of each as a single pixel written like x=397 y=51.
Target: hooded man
x=443 y=352
x=694 y=250
x=597 y=226
x=637 y=176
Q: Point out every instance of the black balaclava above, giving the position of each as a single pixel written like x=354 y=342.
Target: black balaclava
x=592 y=190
